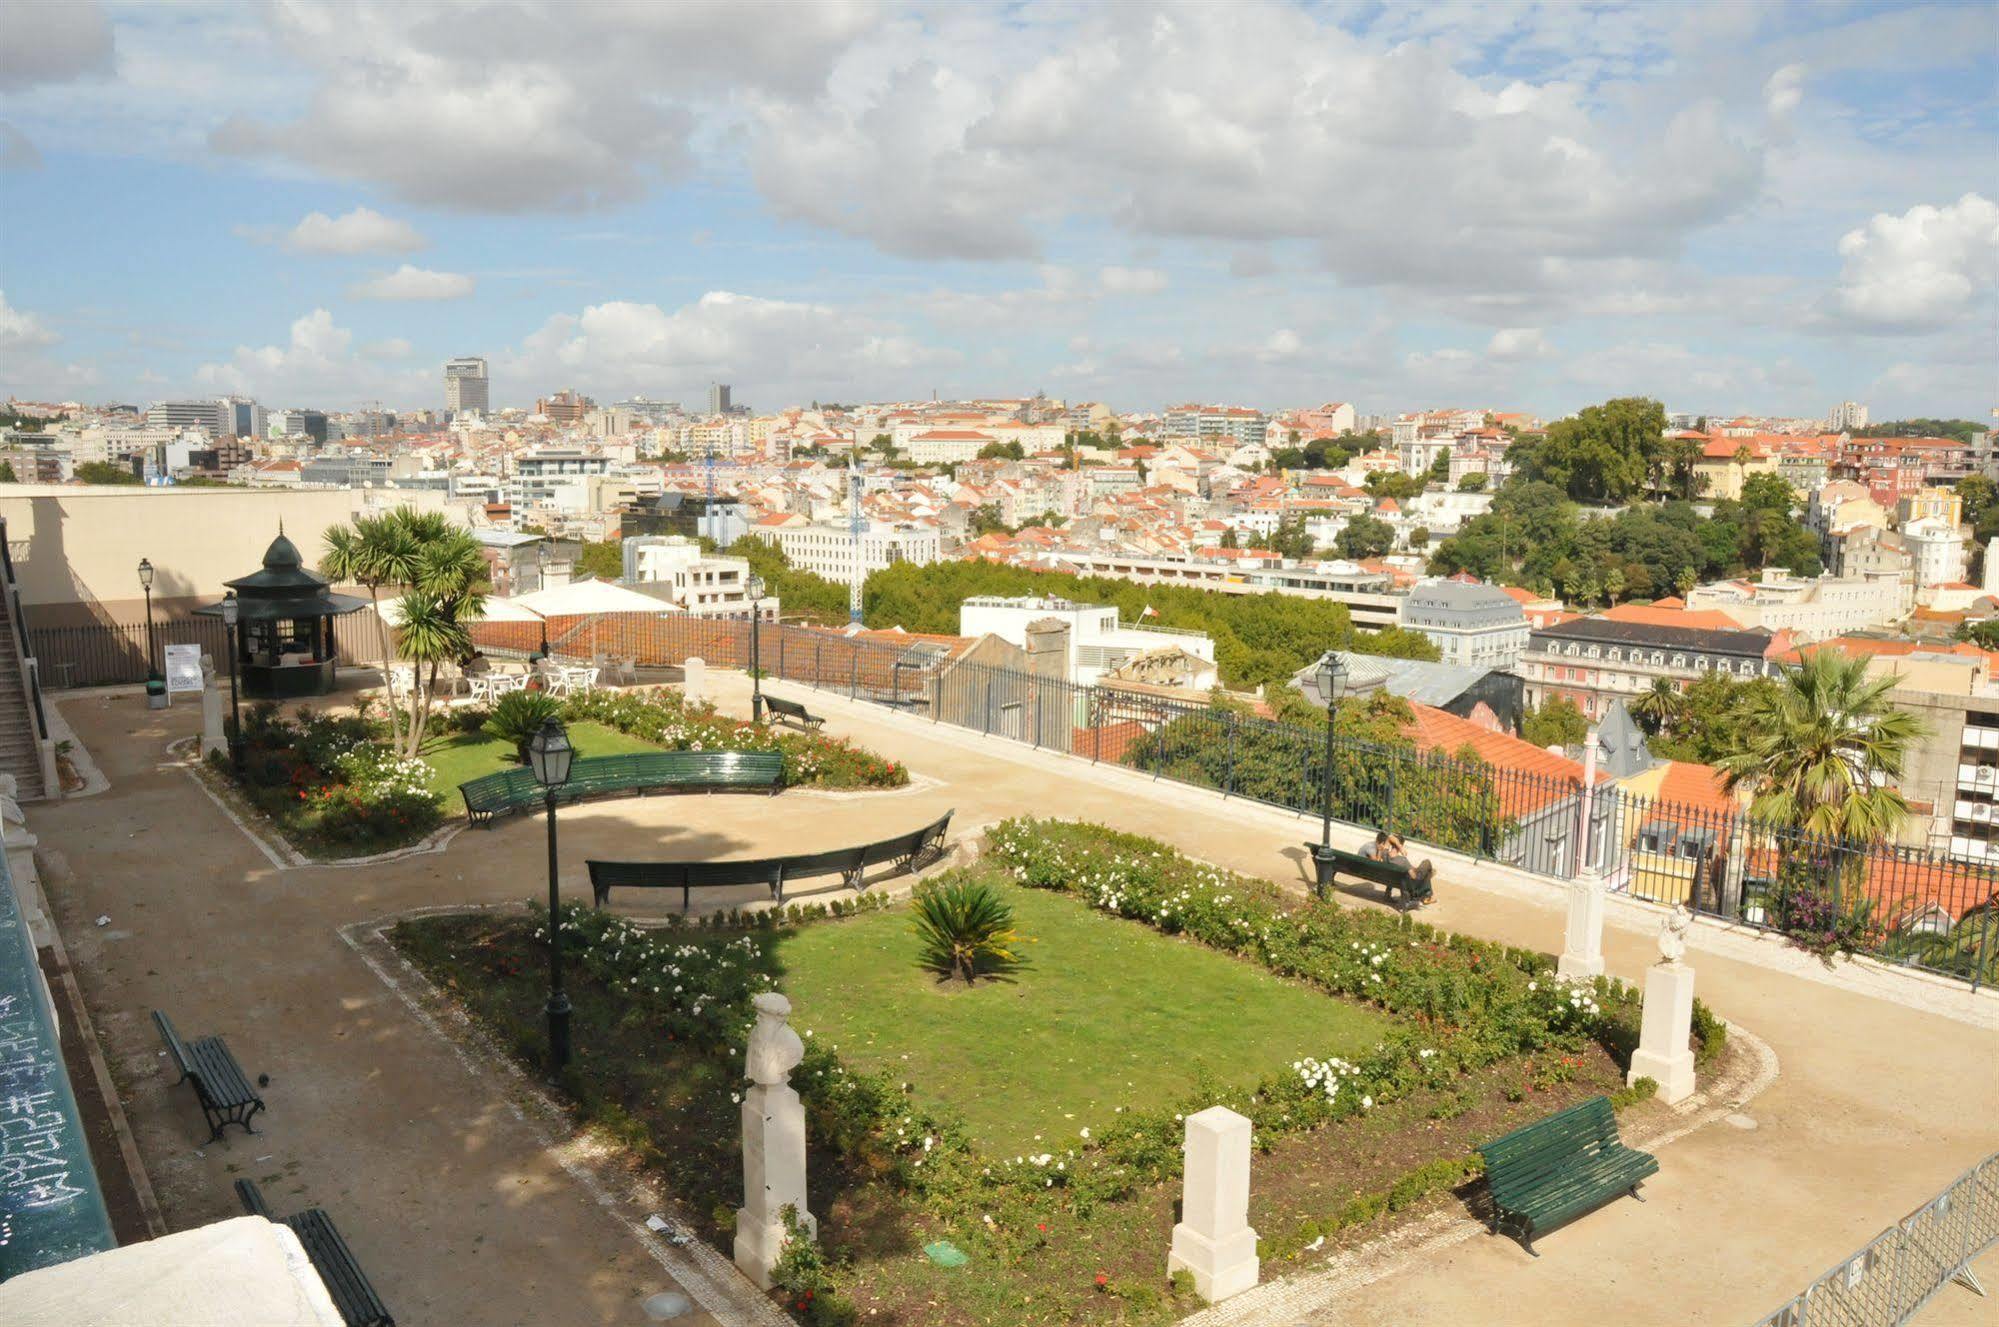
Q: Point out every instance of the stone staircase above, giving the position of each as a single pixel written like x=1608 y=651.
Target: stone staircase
x=24 y=751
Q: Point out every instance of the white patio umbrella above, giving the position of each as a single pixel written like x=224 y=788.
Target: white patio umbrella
x=593 y=599
x=497 y=610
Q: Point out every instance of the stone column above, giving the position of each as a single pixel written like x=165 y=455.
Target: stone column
x=213 y=738
x=1582 y=943
x=694 y=679
x=1214 y=1240
x=1663 y=1053
x=773 y=1143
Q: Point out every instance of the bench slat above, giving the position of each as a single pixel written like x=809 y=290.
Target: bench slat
x=1560 y=1167
x=903 y=849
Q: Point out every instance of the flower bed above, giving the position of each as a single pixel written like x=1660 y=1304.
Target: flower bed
x=329 y=786
x=1072 y=1230
x=664 y=717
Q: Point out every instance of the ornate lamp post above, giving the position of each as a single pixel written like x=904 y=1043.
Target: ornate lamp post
x=549 y=753
x=755 y=586
x=146 y=584
x=1332 y=679
x=231 y=612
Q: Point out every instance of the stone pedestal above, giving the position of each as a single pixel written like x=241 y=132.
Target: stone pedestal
x=1582 y=943
x=1663 y=1054
x=773 y=1143
x=694 y=679
x=1214 y=1240
x=213 y=738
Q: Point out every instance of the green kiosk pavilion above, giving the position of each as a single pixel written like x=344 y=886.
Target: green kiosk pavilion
x=284 y=633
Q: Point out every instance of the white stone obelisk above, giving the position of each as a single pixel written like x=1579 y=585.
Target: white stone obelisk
x=773 y=1143
x=1666 y=1028
x=1582 y=942
x=694 y=679
x=1214 y=1240
x=213 y=738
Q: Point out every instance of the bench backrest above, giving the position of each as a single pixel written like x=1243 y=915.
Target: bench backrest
x=1360 y=861
x=637 y=769
x=640 y=875
x=173 y=1041
x=782 y=706
x=1528 y=1157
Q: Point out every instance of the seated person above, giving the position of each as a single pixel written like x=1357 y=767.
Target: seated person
x=1417 y=892
x=1378 y=850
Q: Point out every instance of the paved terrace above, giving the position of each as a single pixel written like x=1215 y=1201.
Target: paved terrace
x=461 y=1215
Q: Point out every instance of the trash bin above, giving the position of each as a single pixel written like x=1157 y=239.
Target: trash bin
x=156 y=692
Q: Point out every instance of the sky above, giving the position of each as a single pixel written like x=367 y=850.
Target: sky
x=1731 y=207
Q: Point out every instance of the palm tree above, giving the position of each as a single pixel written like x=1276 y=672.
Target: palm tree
x=428 y=635
x=373 y=552
x=1820 y=750
x=1659 y=708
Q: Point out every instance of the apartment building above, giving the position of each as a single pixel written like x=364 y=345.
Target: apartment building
x=828 y=550
x=1812 y=609
x=466 y=386
x=1196 y=423
x=676 y=569
x=1592 y=661
x=539 y=474
x=1472 y=625
x=1096 y=643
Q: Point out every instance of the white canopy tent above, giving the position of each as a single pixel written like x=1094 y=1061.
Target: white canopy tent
x=497 y=610
x=593 y=599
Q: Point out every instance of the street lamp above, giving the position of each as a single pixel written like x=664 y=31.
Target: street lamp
x=549 y=753
x=146 y=584
x=1331 y=675
x=755 y=586
x=231 y=614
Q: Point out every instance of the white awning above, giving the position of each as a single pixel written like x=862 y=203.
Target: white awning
x=497 y=610
x=587 y=598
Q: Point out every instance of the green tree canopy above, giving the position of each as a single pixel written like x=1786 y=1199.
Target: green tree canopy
x=1364 y=536
x=1606 y=453
x=103 y=472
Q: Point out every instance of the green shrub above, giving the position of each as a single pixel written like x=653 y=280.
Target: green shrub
x=966 y=928
x=519 y=716
x=666 y=718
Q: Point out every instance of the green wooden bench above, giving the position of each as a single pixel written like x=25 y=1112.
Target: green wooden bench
x=352 y=1293
x=639 y=772
x=906 y=852
x=1556 y=1169
x=1392 y=878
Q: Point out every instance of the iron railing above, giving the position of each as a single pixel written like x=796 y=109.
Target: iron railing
x=114 y=653
x=1890 y=1280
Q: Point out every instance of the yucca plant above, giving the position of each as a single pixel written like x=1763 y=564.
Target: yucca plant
x=966 y=929
x=519 y=716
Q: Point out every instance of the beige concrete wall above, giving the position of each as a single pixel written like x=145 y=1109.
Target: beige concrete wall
x=76 y=548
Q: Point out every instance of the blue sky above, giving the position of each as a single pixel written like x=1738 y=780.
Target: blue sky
x=1758 y=208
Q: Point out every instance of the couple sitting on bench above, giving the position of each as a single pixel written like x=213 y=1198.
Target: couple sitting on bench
x=1390 y=850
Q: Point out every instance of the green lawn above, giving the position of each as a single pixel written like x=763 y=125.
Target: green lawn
x=465 y=756
x=1106 y=1013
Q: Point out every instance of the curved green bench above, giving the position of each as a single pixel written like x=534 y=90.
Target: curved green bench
x=496 y=795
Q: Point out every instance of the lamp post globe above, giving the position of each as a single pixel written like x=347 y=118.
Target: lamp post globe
x=232 y=613
x=1331 y=677
x=755 y=588
x=549 y=756
x=146 y=584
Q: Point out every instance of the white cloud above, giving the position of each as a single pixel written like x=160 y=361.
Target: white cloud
x=1132 y=280
x=1283 y=344
x=1922 y=270
x=53 y=41
x=1518 y=343
x=1783 y=91
x=789 y=350
x=409 y=282
x=317 y=364
x=21 y=330
x=363 y=230
x=16 y=152
x=536 y=106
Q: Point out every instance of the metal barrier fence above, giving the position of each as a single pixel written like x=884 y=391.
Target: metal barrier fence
x=1900 y=1270
x=114 y=653
x=1910 y=906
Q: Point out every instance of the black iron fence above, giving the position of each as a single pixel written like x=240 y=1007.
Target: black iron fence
x=114 y=653
x=1691 y=845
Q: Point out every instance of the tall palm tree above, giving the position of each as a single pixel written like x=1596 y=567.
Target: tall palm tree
x=1659 y=708
x=429 y=635
x=373 y=552
x=1819 y=751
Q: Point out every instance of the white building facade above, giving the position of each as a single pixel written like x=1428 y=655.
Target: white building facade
x=1097 y=642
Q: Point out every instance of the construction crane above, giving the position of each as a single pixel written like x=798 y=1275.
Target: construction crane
x=857 y=526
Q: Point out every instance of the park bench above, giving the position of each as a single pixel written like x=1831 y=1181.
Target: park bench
x=1561 y=1167
x=1388 y=875
x=220 y=1085
x=352 y=1294
x=790 y=711
x=637 y=773
x=907 y=852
